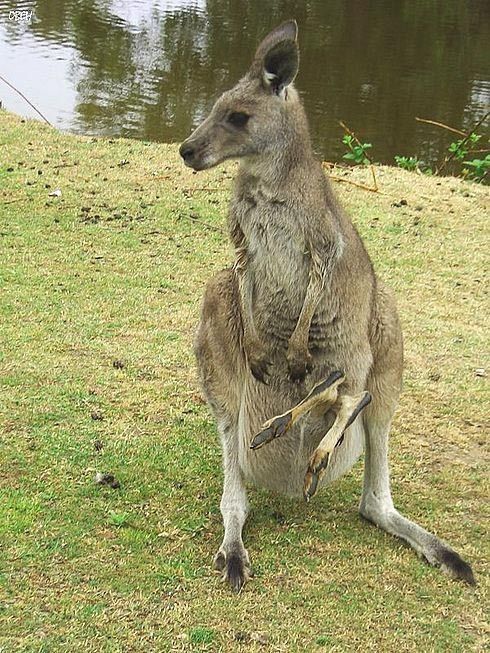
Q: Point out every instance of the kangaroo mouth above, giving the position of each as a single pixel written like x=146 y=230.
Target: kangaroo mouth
x=197 y=164
x=197 y=158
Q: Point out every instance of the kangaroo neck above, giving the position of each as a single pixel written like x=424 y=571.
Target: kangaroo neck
x=279 y=164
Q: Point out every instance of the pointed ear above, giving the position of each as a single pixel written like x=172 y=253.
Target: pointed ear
x=281 y=65
x=277 y=58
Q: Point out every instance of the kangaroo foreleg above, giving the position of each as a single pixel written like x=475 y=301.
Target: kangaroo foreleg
x=298 y=357
x=324 y=255
x=255 y=351
x=320 y=398
x=348 y=408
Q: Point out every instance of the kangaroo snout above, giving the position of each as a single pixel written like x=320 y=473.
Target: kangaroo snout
x=195 y=154
x=187 y=152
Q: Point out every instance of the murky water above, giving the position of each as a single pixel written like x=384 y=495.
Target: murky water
x=150 y=69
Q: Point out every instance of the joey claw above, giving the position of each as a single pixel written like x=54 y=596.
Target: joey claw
x=362 y=404
x=272 y=429
x=313 y=476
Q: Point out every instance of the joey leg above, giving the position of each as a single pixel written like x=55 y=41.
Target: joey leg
x=322 y=396
x=349 y=408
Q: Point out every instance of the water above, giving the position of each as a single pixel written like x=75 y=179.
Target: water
x=150 y=69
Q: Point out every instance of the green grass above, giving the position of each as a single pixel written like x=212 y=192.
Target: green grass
x=100 y=292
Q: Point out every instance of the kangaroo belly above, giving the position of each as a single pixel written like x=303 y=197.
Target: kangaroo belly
x=281 y=465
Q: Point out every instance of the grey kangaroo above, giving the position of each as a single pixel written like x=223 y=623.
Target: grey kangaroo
x=299 y=347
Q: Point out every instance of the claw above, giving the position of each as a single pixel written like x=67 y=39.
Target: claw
x=272 y=429
x=297 y=373
x=235 y=569
x=260 y=370
x=340 y=440
x=324 y=385
x=313 y=476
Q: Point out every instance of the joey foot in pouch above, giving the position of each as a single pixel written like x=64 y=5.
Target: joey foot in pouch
x=347 y=409
x=322 y=396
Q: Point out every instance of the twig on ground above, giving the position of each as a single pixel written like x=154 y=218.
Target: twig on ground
x=195 y=219
x=23 y=96
x=374 y=177
x=328 y=165
x=354 y=183
x=213 y=190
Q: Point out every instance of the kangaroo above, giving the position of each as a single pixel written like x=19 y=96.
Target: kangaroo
x=299 y=347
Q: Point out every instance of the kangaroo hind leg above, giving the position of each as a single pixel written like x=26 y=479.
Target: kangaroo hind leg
x=376 y=504
x=221 y=366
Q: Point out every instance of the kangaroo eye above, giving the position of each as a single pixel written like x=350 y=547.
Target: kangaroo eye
x=238 y=119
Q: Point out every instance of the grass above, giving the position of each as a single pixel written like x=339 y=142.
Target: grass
x=100 y=297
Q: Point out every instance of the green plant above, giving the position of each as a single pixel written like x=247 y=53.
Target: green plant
x=480 y=168
x=201 y=635
x=459 y=149
x=119 y=519
x=412 y=163
x=407 y=162
x=357 y=150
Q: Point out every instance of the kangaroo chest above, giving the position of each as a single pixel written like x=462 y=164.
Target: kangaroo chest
x=277 y=260
x=277 y=263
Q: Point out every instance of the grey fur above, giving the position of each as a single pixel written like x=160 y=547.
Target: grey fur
x=301 y=302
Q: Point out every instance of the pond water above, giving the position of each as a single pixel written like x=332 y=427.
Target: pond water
x=150 y=69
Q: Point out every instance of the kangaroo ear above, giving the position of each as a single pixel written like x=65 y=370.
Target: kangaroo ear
x=281 y=65
x=277 y=58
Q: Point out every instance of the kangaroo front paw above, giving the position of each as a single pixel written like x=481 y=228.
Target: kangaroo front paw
x=234 y=566
x=258 y=361
x=260 y=369
x=300 y=364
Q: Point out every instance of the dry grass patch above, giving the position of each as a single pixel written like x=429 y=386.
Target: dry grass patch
x=100 y=296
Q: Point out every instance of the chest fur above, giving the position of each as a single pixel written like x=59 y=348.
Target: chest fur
x=277 y=253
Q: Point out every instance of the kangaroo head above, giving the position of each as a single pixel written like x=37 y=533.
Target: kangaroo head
x=252 y=117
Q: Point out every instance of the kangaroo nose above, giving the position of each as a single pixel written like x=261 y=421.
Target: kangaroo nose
x=186 y=151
